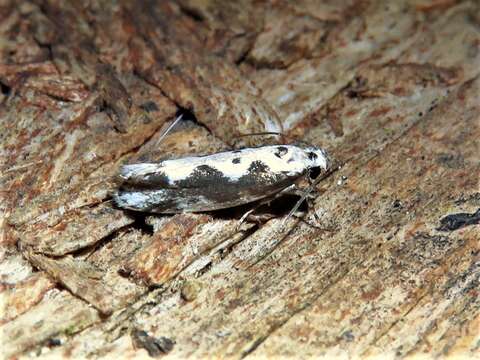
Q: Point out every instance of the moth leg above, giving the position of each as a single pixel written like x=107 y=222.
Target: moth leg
x=254 y=218
x=317 y=224
x=311 y=206
x=267 y=200
x=325 y=229
x=310 y=198
x=314 y=224
x=260 y=219
x=297 y=191
x=290 y=190
x=247 y=214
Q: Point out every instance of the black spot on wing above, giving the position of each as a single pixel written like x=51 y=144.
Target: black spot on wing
x=204 y=176
x=258 y=175
x=261 y=180
x=258 y=166
x=157 y=179
x=219 y=190
x=236 y=151
x=236 y=161
x=281 y=151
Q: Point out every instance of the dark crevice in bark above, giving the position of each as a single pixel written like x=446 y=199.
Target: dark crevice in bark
x=246 y=234
x=255 y=345
x=192 y=13
x=140 y=21
x=188 y=114
x=5 y=89
x=135 y=149
x=244 y=56
x=398 y=320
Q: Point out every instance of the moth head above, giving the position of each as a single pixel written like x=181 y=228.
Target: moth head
x=319 y=161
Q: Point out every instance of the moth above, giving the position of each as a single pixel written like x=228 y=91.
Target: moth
x=221 y=180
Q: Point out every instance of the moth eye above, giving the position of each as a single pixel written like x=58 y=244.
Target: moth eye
x=312 y=156
x=314 y=172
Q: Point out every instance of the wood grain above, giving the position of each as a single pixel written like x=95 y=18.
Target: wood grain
x=390 y=88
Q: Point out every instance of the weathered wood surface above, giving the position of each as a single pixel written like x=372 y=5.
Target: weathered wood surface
x=390 y=88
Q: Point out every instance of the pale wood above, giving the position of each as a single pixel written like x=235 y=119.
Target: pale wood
x=390 y=88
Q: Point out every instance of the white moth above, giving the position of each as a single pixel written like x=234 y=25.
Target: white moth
x=218 y=181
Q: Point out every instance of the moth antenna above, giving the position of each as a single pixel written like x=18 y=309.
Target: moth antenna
x=267 y=133
x=170 y=127
x=286 y=137
x=262 y=133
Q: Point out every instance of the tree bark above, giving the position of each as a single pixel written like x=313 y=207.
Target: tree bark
x=390 y=88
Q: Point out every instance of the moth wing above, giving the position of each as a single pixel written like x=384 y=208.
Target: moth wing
x=145 y=175
x=171 y=201
x=205 y=183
